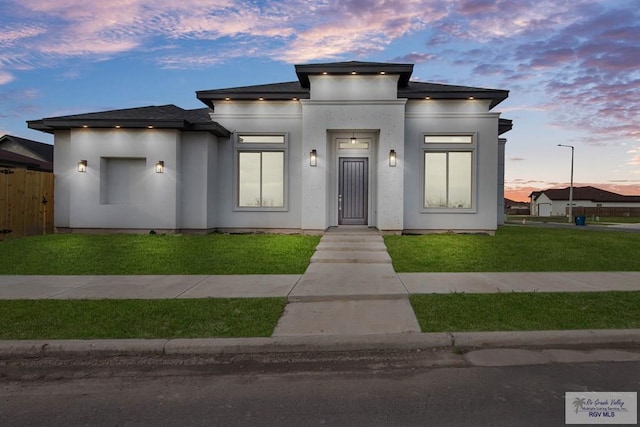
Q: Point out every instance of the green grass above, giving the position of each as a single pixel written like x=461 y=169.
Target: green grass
x=516 y=248
x=157 y=254
x=169 y=318
x=604 y=220
x=527 y=311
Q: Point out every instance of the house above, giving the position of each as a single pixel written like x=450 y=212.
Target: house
x=513 y=207
x=347 y=143
x=555 y=201
x=24 y=153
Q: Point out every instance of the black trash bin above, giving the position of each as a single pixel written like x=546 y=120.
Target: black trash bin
x=581 y=220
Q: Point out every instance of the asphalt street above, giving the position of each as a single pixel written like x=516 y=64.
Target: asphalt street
x=436 y=388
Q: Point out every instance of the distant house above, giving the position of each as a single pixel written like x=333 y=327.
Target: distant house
x=24 y=153
x=347 y=143
x=512 y=207
x=555 y=201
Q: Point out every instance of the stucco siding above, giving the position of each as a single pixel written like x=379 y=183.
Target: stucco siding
x=198 y=148
x=259 y=117
x=452 y=117
x=64 y=168
x=156 y=204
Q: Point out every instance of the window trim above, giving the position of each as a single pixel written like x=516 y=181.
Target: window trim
x=242 y=147
x=429 y=147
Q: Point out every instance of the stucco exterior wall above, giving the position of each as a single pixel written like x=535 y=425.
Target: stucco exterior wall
x=157 y=207
x=501 y=152
x=198 y=181
x=259 y=117
x=452 y=117
x=64 y=167
x=364 y=104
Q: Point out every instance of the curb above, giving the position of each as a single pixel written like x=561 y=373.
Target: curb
x=328 y=343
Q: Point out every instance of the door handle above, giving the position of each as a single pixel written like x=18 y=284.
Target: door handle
x=339 y=202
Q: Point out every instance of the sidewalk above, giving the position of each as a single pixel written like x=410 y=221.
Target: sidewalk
x=245 y=286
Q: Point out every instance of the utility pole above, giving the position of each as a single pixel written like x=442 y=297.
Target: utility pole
x=571 y=185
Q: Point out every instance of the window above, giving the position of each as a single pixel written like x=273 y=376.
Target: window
x=261 y=171
x=358 y=144
x=448 y=171
x=261 y=139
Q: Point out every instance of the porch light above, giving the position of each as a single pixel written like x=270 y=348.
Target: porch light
x=82 y=166
x=353 y=138
x=392 y=158
x=313 y=158
x=160 y=166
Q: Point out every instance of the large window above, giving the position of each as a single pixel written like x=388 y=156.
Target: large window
x=261 y=171
x=448 y=171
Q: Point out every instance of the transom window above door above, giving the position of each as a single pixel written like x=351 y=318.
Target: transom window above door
x=353 y=143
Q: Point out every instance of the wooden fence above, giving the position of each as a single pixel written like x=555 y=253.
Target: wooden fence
x=591 y=211
x=26 y=203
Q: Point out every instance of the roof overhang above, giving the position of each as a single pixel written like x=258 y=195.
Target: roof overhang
x=504 y=126
x=52 y=124
x=354 y=67
x=496 y=96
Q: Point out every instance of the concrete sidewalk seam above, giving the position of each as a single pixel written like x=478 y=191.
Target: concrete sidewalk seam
x=88 y=283
x=194 y=285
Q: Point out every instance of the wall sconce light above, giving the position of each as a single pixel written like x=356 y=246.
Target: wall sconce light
x=392 y=158
x=353 y=138
x=160 y=167
x=82 y=166
x=313 y=158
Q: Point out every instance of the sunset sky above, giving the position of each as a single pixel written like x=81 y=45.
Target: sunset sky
x=573 y=67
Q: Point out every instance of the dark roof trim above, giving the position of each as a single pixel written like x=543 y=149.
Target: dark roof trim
x=296 y=90
x=425 y=90
x=286 y=91
x=504 y=126
x=403 y=70
x=162 y=117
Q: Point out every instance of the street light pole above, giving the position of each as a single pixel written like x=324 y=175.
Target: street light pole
x=571 y=186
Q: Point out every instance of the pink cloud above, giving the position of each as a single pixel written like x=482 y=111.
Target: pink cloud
x=357 y=27
x=5 y=77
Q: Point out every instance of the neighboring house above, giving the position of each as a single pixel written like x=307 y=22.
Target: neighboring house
x=555 y=201
x=23 y=153
x=348 y=143
x=513 y=207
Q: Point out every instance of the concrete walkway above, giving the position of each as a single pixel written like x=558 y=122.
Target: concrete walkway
x=349 y=288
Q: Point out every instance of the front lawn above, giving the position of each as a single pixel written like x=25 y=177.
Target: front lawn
x=157 y=254
x=169 y=318
x=517 y=248
x=527 y=311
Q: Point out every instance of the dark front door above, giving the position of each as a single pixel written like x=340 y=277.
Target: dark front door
x=353 y=191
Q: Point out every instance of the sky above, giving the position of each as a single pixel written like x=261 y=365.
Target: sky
x=572 y=67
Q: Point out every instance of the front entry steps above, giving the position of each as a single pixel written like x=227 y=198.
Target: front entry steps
x=351 y=247
x=349 y=288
